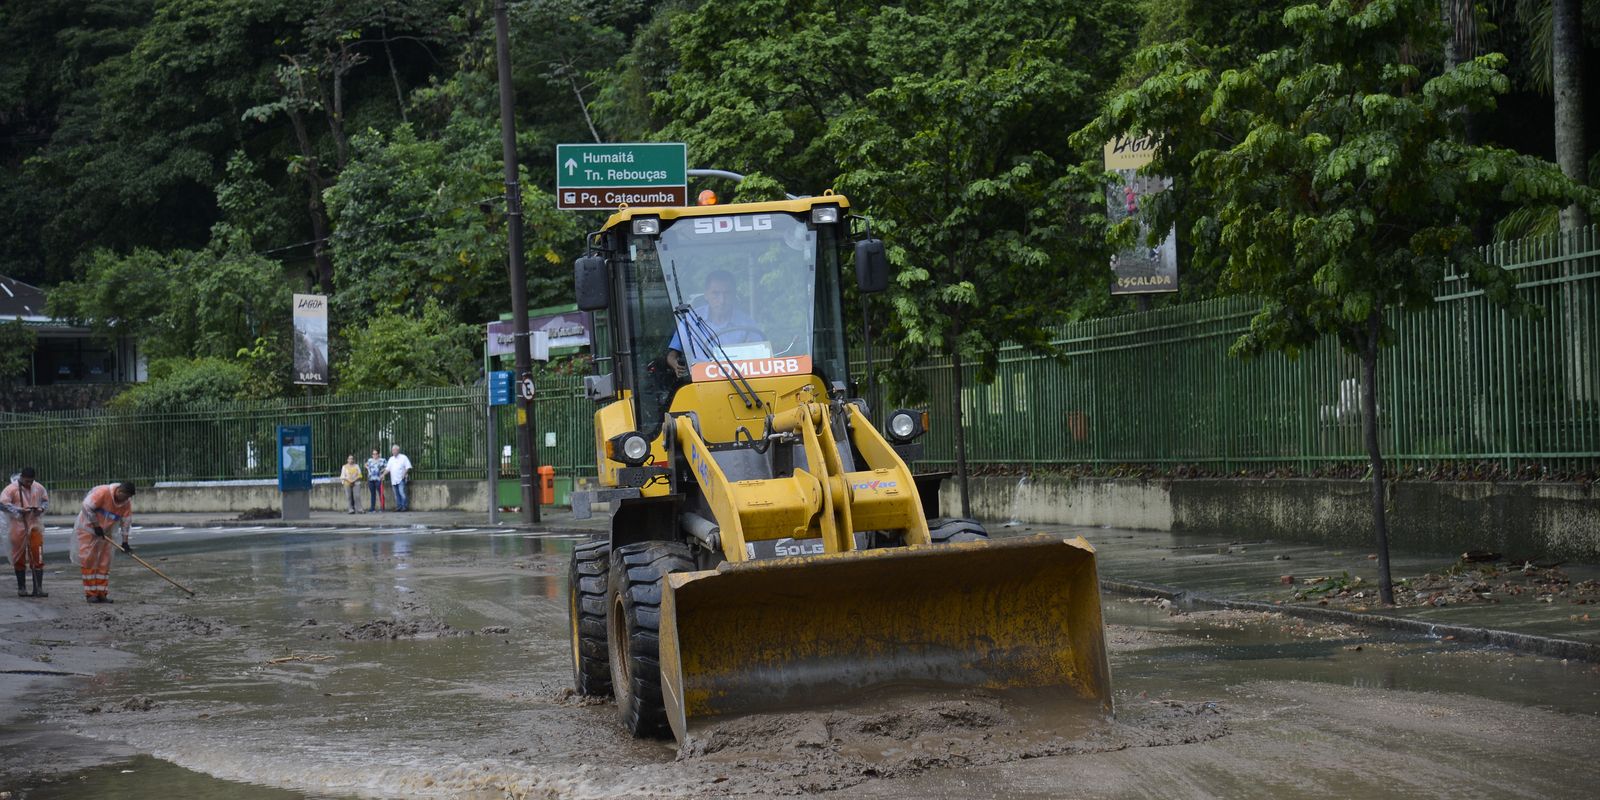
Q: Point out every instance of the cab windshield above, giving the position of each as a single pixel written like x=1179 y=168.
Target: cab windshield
x=752 y=293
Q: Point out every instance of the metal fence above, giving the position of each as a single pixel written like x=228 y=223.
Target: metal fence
x=1465 y=381
x=441 y=430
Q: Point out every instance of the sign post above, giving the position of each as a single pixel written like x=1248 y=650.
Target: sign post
x=294 y=470
x=607 y=176
x=499 y=395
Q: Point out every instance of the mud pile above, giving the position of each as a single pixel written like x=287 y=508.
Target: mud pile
x=832 y=750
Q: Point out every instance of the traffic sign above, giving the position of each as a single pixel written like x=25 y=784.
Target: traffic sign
x=527 y=387
x=500 y=388
x=604 y=176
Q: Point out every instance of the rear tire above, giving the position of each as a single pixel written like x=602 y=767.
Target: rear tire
x=586 y=615
x=634 y=622
x=946 y=531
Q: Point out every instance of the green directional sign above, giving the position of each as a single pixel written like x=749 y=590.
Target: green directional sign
x=601 y=176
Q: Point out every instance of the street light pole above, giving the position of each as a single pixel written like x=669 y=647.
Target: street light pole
x=519 y=281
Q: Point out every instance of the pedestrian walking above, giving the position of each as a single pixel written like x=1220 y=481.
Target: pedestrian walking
x=104 y=509
x=374 y=482
x=397 y=468
x=24 y=503
x=350 y=476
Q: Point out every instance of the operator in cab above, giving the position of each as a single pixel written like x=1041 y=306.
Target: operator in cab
x=717 y=321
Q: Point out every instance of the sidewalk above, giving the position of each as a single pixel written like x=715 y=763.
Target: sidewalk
x=1539 y=608
x=552 y=520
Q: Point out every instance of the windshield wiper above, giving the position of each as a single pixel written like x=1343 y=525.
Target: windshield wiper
x=699 y=333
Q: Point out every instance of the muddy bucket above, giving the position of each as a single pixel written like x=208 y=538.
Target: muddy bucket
x=812 y=632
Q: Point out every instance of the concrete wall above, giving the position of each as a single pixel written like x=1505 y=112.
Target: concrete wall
x=1533 y=520
x=234 y=497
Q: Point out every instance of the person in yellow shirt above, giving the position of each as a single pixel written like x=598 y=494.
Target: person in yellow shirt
x=350 y=476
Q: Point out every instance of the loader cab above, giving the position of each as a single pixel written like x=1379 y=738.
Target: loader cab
x=752 y=288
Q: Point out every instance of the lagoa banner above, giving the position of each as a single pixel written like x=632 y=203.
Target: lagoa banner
x=311 y=339
x=1142 y=268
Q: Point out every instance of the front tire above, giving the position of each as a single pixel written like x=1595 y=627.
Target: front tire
x=586 y=616
x=946 y=531
x=634 y=624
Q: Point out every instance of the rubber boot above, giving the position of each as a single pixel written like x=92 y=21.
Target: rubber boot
x=22 y=583
x=38 y=583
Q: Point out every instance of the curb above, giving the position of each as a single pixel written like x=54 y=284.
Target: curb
x=1520 y=642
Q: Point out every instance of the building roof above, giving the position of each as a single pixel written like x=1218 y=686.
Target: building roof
x=18 y=300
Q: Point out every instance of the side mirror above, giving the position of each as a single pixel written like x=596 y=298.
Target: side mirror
x=872 y=266
x=592 y=283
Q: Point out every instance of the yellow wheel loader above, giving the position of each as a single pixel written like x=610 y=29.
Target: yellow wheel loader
x=769 y=548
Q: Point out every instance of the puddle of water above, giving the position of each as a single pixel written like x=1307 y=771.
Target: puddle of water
x=144 y=776
x=1215 y=652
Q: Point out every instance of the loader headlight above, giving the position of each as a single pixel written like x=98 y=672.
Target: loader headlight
x=824 y=215
x=630 y=448
x=905 y=425
x=646 y=226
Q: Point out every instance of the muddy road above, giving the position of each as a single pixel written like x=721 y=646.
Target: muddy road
x=405 y=663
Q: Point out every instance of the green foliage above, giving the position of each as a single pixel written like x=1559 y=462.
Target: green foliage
x=944 y=125
x=1330 y=175
x=180 y=304
x=17 y=342
x=419 y=221
x=394 y=351
x=178 y=383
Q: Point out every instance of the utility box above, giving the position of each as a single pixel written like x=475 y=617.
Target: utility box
x=294 y=470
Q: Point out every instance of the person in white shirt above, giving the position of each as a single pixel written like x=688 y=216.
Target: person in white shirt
x=397 y=468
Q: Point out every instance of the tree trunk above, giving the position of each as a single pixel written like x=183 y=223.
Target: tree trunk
x=336 y=115
x=314 y=207
x=961 y=433
x=1567 y=77
x=394 y=76
x=1369 y=424
x=1577 y=298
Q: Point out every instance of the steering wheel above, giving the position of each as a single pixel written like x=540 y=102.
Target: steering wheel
x=760 y=337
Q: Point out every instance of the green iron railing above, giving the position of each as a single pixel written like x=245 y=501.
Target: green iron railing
x=1466 y=380
x=441 y=430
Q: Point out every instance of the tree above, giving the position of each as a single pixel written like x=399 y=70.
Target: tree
x=177 y=384
x=945 y=126
x=399 y=351
x=1333 y=178
x=1566 y=35
x=17 y=343
x=422 y=220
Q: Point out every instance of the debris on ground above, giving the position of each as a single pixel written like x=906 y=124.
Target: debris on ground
x=300 y=657
x=136 y=703
x=391 y=629
x=1474 y=579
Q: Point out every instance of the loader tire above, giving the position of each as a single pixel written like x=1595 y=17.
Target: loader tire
x=634 y=621
x=945 y=531
x=586 y=616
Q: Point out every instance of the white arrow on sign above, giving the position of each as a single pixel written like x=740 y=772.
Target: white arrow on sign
x=571 y=165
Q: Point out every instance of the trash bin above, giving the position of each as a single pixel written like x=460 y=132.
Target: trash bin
x=547 y=484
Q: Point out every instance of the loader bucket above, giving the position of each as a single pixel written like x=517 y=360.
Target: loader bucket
x=812 y=632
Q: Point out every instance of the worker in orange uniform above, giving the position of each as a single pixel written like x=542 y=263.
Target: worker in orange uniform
x=24 y=502
x=104 y=508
